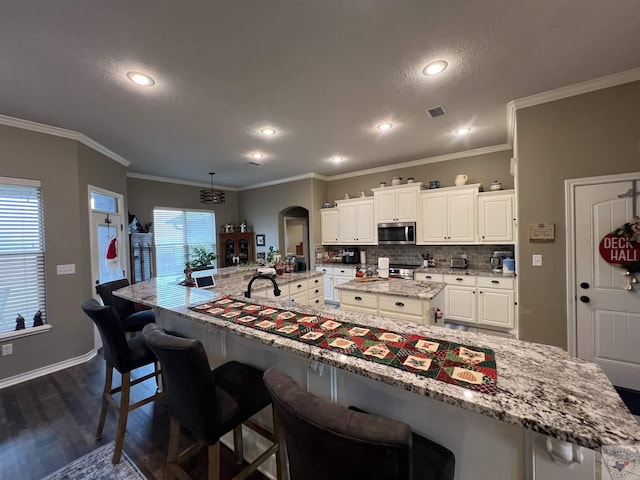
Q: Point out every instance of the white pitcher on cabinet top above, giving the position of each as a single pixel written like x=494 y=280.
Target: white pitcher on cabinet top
x=460 y=180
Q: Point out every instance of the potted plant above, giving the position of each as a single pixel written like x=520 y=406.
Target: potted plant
x=273 y=255
x=201 y=258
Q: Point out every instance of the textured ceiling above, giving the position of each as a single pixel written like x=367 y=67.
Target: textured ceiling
x=323 y=73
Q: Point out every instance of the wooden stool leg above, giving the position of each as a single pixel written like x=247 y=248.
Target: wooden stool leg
x=214 y=461
x=174 y=445
x=238 y=445
x=281 y=454
x=108 y=378
x=123 y=414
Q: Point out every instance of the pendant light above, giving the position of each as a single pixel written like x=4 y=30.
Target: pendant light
x=211 y=196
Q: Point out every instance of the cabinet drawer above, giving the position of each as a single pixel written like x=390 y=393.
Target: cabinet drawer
x=428 y=277
x=316 y=292
x=267 y=292
x=465 y=280
x=496 y=282
x=299 y=286
x=324 y=269
x=406 y=306
x=315 y=282
x=344 y=271
x=299 y=298
x=317 y=302
x=362 y=300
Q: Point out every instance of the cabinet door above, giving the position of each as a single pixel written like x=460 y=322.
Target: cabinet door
x=433 y=225
x=461 y=218
x=406 y=205
x=495 y=218
x=495 y=307
x=460 y=303
x=348 y=225
x=386 y=204
x=330 y=226
x=366 y=229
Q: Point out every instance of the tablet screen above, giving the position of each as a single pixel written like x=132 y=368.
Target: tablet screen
x=205 y=282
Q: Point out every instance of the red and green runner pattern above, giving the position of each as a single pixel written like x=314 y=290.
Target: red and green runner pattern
x=470 y=367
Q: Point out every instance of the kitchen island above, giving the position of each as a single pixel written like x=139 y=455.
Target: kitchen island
x=544 y=397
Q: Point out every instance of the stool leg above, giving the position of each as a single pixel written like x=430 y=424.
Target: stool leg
x=281 y=454
x=108 y=378
x=214 y=461
x=123 y=414
x=174 y=446
x=238 y=445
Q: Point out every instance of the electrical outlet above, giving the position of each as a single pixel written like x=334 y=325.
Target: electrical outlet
x=536 y=260
x=7 y=349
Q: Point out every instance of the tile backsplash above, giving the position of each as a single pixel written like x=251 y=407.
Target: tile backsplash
x=477 y=255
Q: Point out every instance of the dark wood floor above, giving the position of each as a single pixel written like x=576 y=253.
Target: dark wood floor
x=47 y=422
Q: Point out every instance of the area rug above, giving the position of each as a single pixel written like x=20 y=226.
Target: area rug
x=97 y=465
x=462 y=365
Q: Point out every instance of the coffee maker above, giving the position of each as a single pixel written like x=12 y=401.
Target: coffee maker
x=351 y=255
x=497 y=258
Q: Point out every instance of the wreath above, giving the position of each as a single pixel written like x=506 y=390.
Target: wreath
x=630 y=231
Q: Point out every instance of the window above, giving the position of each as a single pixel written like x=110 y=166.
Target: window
x=176 y=233
x=22 y=288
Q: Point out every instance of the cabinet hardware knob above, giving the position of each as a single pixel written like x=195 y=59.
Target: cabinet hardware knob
x=399 y=304
x=428 y=276
x=585 y=299
x=584 y=285
x=459 y=279
x=495 y=281
x=357 y=298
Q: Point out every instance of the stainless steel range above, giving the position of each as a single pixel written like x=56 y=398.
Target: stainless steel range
x=402 y=271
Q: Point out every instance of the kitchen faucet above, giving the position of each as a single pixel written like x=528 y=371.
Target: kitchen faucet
x=276 y=290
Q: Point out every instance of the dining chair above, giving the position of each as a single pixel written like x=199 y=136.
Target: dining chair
x=132 y=320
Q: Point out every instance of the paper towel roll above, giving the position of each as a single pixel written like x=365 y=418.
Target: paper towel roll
x=383 y=272
x=363 y=257
x=383 y=263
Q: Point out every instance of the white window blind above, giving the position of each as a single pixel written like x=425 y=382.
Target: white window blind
x=176 y=232
x=22 y=282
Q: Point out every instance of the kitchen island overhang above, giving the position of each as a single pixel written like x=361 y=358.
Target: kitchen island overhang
x=540 y=388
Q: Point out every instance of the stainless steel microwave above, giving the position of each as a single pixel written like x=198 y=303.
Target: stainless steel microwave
x=400 y=233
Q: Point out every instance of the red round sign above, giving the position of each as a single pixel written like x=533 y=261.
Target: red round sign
x=619 y=250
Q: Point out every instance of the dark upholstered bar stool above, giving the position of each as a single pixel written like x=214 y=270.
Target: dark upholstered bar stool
x=132 y=321
x=123 y=355
x=325 y=441
x=209 y=403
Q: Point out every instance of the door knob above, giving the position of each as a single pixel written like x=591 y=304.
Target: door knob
x=584 y=299
x=584 y=285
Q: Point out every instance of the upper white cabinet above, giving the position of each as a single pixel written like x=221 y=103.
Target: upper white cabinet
x=397 y=204
x=357 y=221
x=330 y=224
x=496 y=220
x=447 y=215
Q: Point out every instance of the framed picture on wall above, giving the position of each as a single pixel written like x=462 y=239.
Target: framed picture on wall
x=260 y=240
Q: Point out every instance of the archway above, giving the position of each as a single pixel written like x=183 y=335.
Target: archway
x=293 y=229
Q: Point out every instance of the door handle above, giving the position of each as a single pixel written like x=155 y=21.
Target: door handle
x=585 y=299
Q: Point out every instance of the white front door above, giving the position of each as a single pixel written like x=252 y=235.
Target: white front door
x=607 y=313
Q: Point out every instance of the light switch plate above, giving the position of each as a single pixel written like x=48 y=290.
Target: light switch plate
x=66 y=269
x=7 y=349
x=536 y=260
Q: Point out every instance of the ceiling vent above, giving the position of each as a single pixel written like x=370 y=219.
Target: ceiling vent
x=435 y=111
x=251 y=162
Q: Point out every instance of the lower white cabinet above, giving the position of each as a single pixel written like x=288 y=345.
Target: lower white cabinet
x=390 y=306
x=486 y=301
x=334 y=276
x=308 y=291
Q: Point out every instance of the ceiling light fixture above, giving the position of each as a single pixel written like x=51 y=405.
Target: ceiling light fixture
x=211 y=195
x=257 y=155
x=268 y=131
x=462 y=131
x=385 y=126
x=141 y=79
x=337 y=159
x=434 y=68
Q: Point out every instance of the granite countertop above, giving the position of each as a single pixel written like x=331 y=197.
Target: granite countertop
x=398 y=287
x=540 y=387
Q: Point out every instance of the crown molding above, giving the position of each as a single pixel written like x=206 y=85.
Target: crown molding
x=155 y=178
x=64 y=133
x=303 y=176
x=566 y=92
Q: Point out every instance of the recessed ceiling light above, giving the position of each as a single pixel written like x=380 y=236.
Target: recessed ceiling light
x=141 y=79
x=337 y=159
x=462 y=131
x=434 y=68
x=268 y=131
x=385 y=126
x=257 y=155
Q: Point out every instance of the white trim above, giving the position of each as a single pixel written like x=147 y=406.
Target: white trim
x=155 y=178
x=40 y=372
x=64 y=133
x=21 y=182
x=570 y=266
x=302 y=176
x=566 y=92
x=27 y=332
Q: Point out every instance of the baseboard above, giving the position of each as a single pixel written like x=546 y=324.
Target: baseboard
x=40 y=372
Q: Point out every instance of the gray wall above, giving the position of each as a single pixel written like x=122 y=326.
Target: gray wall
x=582 y=136
x=61 y=165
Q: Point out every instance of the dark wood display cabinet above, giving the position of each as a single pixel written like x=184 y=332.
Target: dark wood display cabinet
x=141 y=251
x=239 y=245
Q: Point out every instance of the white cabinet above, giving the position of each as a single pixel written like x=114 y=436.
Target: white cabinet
x=447 y=215
x=428 y=277
x=330 y=225
x=333 y=276
x=397 y=204
x=460 y=298
x=496 y=220
x=307 y=291
x=357 y=224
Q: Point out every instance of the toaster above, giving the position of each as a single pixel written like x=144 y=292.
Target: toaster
x=458 y=263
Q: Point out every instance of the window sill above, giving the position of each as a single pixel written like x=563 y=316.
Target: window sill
x=24 y=333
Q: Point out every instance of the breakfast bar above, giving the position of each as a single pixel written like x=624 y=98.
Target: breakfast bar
x=545 y=415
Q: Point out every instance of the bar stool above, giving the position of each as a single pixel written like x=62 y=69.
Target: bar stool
x=125 y=356
x=325 y=441
x=209 y=403
x=132 y=321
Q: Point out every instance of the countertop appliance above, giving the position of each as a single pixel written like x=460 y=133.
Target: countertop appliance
x=398 y=233
x=497 y=259
x=402 y=271
x=457 y=262
x=351 y=255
